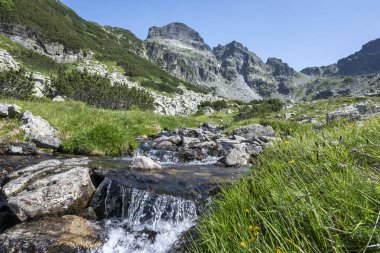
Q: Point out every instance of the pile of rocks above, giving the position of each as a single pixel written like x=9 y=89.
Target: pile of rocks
x=196 y=144
x=354 y=112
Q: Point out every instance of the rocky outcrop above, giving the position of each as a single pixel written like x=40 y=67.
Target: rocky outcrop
x=40 y=131
x=354 y=111
x=36 y=42
x=49 y=188
x=329 y=70
x=182 y=52
x=8 y=110
x=143 y=163
x=50 y=235
x=7 y=62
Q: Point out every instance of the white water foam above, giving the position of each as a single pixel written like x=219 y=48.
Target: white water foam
x=153 y=223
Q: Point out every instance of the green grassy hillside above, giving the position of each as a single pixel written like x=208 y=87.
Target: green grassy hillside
x=54 y=22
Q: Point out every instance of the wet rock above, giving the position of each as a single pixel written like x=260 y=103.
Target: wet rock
x=254 y=131
x=51 y=235
x=189 y=154
x=164 y=145
x=8 y=110
x=18 y=148
x=40 y=131
x=48 y=188
x=143 y=163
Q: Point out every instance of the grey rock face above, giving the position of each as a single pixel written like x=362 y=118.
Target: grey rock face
x=40 y=131
x=50 y=235
x=8 y=110
x=143 y=163
x=232 y=70
x=48 y=188
x=329 y=70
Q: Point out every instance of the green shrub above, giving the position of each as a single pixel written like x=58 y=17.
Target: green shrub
x=216 y=105
x=164 y=87
x=16 y=84
x=259 y=109
x=98 y=91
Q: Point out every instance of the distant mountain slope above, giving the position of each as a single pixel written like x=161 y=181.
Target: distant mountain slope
x=231 y=70
x=364 y=62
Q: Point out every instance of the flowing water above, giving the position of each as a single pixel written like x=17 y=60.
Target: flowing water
x=150 y=223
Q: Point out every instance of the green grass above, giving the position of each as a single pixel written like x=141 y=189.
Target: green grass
x=316 y=191
x=89 y=130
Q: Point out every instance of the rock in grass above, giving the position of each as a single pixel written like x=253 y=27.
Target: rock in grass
x=58 y=99
x=60 y=234
x=40 y=131
x=49 y=188
x=8 y=110
x=236 y=156
x=143 y=163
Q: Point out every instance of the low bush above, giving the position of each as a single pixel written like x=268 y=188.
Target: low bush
x=98 y=91
x=216 y=105
x=259 y=109
x=16 y=84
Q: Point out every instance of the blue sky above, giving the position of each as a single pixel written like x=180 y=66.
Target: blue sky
x=303 y=33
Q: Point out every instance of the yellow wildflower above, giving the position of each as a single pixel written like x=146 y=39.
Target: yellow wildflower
x=256 y=233
x=292 y=162
x=256 y=228
x=243 y=244
x=247 y=210
x=278 y=251
x=250 y=227
x=287 y=142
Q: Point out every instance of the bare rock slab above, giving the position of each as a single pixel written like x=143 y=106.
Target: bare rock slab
x=49 y=188
x=143 y=163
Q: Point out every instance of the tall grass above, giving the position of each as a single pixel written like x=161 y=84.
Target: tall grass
x=318 y=191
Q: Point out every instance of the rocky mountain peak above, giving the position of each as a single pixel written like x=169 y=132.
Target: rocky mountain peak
x=280 y=68
x=175 y=31
x=235 y=49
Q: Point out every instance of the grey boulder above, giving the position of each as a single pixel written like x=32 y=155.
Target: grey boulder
x=18 y=148
x=236 y=155
x=40 y=131
x=49 y=188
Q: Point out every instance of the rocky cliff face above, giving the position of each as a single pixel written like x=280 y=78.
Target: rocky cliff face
x=36 y=42
x=231 y=70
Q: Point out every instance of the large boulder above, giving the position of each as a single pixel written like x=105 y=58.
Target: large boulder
x=8 y=110
x=144 y=163
x=48 y=188
x=40 y=131
x=50 y=235
x=254 y=131
x=7 y=62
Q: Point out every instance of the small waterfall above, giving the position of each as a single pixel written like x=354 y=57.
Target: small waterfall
x=150 y=223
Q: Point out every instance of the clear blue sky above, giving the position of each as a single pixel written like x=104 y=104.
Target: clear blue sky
x=303 y=33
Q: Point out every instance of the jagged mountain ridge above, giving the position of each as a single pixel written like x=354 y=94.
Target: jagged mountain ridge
x=231 y=70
